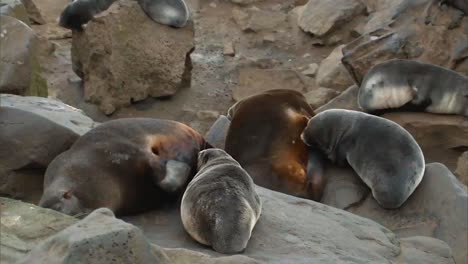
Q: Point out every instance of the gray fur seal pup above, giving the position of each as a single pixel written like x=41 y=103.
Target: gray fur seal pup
x=128 y=165
x=384 y=155
x=220 y=206
x=415 y=86
x=174 y=13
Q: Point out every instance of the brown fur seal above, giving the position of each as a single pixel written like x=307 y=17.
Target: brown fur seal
x=264 y=138
x=220 y=206
x=127 y=165
x=384 y=155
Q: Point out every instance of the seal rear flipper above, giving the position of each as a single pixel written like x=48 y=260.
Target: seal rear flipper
x=174 y=177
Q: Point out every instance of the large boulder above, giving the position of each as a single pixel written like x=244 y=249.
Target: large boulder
x=346 y=100
x=290 y=229
x=462 y=168
x=16 y=9
x=401 y=31
x=120 y=65
x=20 y=68
x=37 y=129
x=437 y=208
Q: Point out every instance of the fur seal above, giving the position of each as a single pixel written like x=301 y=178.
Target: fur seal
x=264 y=138
x=220 y=206
x=127 y=165
x=413 y=85
x=174 y=13
x=384 y=155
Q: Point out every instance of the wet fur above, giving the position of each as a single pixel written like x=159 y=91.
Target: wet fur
x=407 y=85
x=220 y=206
x=120 y=165
x=264 y=138
x=384 y=155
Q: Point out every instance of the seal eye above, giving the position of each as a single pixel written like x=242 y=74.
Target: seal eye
x=155 y=151
x=67 y=195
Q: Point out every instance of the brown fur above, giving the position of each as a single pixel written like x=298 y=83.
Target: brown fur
x=264 y=137
x=120 y=165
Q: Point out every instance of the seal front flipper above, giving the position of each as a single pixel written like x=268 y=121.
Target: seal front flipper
x=174 y=13
x=316 y=174
x=171 y=176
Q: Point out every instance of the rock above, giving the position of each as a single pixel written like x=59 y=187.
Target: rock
x=346 y=100
x=437 y=208
x=24 y=225
x=14 y=8
x=462 y=168
x=256 y=20
x=52 y=109
x=332 y=73
x=207 y=115
x=245 y=2
x=120 y=65
x=98 y=238
x=441 y=137
x=299 y=231
x=216 y=135
x=320 y=96
x=311 y=70
x=323 y=17
x=254 y=80
x=20 y=69
x=400 y=32
x=295 y=230
x=344 y=188
x=45 y=11
x=228 y=49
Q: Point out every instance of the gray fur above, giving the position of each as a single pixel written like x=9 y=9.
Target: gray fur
x=220 y=206
x=174 y=13
x=434 y=88
x=384 y=155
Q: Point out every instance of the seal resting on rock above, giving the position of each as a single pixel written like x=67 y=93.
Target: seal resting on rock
x=384 y=155
x=174 y=13
x=220 y=206
x=264 y=138
x=413 y=85
x=127 y=165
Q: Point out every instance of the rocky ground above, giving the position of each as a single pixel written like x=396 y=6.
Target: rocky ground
x=229 y=50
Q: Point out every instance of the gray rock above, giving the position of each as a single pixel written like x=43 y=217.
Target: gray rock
x=320 y=17
x=245 y=2
x=437 y=208
x=120 y=65
x=257 y=20
x=16 y=9
x=311 y=70
x=52 y=109
x=332 y=73
x=346 y=100
x=320 y=96
x=20 y=69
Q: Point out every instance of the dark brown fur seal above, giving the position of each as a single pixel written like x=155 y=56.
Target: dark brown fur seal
x=127 y=165
x=264 y=137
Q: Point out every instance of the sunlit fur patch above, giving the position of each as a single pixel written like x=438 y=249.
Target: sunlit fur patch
x=446 y=105
x=383 y=96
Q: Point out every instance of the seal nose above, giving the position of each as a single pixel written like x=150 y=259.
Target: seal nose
x=302 y=137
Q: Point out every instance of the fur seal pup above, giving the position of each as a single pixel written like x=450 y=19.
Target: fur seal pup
x=413 y=85
x=384 y=155
x=264 y=138
x=220 y=206
x=127 y=165
x=174 y=13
